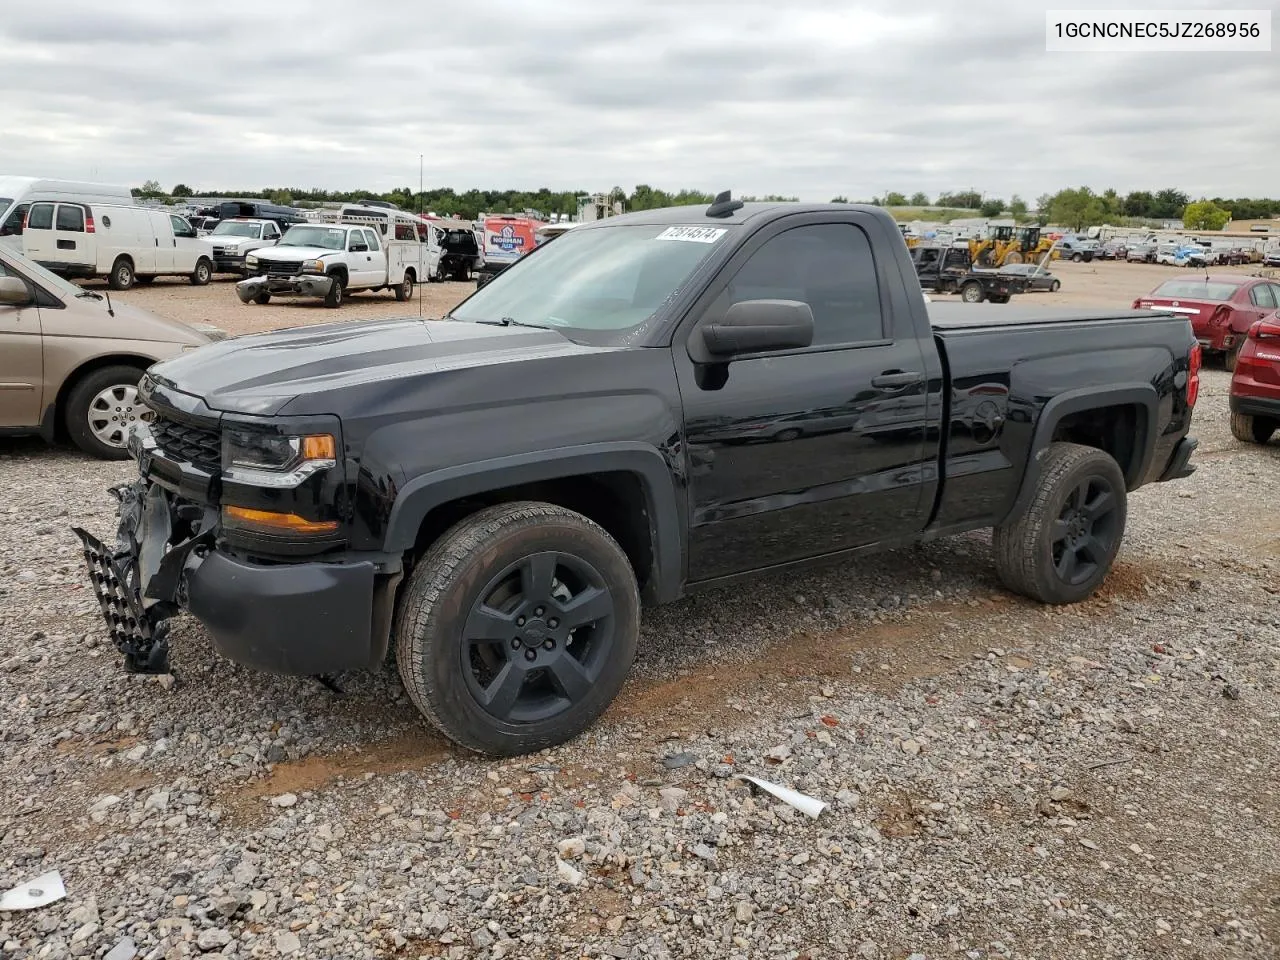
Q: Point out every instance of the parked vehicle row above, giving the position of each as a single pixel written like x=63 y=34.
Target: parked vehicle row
x=1222 y=308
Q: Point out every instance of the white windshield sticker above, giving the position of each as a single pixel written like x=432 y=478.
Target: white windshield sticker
x=692 y=234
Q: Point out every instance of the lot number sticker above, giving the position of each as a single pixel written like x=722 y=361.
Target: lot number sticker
x=692 y=234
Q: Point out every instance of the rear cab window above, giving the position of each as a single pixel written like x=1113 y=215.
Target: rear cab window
x=1263 y=295
x=1217 y=290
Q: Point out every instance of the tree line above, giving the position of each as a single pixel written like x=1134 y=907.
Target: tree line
x=1075 y=207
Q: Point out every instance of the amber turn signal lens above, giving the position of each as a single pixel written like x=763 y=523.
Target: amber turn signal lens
x=319 y=446
x=268 y=521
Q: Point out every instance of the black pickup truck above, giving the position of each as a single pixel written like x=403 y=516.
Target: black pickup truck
x=950 y=270
x=653 y=404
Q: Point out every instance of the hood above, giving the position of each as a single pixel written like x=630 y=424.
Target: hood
x=229 y=240
x=291 y=254
x=87 y=317
x=263 y=373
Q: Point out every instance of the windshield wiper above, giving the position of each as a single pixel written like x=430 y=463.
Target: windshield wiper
x=88 y=293
x=513 y=322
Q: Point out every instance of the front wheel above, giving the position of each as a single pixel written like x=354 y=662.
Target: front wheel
x=1076 y=258
x=1055 y=287
x=262 y=299
x=1232 y=356
x=971 y=293
x=202 y=274
x=337 y=292
x=1250 y=429
x=101 y=408
x=1063 y=545
x=518 y=628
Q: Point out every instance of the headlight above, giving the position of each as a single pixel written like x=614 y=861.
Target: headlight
x=316 y=265
x=270 y=460
x=251 y=261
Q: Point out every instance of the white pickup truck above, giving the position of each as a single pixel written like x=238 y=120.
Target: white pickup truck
x=331 y=260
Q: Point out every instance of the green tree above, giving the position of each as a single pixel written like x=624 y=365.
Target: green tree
x=1139 y=203
x=839 y=199
x=1112 y=205
x=181 y=190
x=966 y=200
x=1076 y=209
x=919 y=199
x=284 y=197
x=151 y=188
x=992 y=207
x=1017 y=206
x=1205 y=215
x=1168 y=204
x=894 y=199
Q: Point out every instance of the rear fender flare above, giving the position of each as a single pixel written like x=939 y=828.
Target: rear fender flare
x=424 y=493
x=1143 y=395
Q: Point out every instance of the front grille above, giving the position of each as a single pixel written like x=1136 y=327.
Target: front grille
x=232 y=252
x=279 y=268
x=199 y=446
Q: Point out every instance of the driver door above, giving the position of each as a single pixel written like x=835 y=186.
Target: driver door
x=21 y=361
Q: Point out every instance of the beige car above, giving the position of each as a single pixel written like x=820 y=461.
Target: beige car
x=70 y=359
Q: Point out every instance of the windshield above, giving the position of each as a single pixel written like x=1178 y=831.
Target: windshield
x=34 y=271
x=1196 y=290
x=330 y=238
x=607 y=279
x=229 y=229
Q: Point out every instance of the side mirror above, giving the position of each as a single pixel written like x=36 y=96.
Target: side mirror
x=759 y=326
x=14 y=292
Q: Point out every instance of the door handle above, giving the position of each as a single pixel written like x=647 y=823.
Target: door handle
x=896 y=378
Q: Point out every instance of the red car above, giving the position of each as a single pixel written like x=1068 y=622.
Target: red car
x=1255 y=385
x=1221 y=307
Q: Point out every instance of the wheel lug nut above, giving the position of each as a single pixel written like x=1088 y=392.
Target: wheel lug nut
x=515 y=644
x=519 y=621
x=549 y=644
x=537 y=612
x=531 y=654
x=553 y=623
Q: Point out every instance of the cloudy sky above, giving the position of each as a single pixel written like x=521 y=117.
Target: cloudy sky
x=809 y=97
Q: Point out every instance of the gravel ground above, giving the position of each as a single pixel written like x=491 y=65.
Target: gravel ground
x=1005 y=780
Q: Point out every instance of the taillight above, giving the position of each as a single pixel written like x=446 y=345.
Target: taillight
x=1265 y=330
x=1193 y=376
x=88 y=221
x=1136 y=305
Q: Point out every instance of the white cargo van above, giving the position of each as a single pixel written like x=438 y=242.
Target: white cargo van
x=122 y=243
x=18 y=193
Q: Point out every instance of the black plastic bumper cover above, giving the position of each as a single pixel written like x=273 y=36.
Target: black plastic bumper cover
x=1254 y=406
x=1180 y=463
x=300 y=618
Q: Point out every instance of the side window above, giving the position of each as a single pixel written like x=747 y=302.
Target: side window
x=1262 y=295
x=372 y=236
x=180 y=227
x=12 y=226
x=829 y=267
x=270 y=231
x=404 y=231
x=41 y=217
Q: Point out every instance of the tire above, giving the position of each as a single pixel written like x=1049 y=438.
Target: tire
x=972 y=292
x=1076 y=258
x=404 y=290
x=1250 y=429
x=92 y=420
x=145 y=281
x=1231 y=357
x=1055 y=286
x=462 y=272
x=202 y=274
x=1013 y=256
x=337 y=293
x=122 y=275
x=263 y=298
x=1030 y=561
x=787 y=435
x=473 y=578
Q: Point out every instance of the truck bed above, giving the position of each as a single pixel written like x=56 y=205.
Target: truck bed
x=956 y=316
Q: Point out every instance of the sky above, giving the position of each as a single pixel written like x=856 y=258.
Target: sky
x=811 y=98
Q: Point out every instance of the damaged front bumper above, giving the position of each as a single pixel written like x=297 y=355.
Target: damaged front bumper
x=303 y=619
x=303 y=285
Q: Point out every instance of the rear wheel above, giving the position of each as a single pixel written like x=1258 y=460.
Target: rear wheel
x=1076 y=258
x=518 y=628
x=971 y=292
x=1250 y=429
x=404 y=290
x=100 y=409
x=122 y=275
x=1062 y=547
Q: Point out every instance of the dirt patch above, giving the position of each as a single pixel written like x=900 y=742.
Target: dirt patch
x=903 y=814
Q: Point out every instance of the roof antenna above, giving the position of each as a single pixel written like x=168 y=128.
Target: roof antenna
x=110 y=312
x=724 y=205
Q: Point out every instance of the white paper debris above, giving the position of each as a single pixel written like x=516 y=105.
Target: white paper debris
x=40 y=892
x=802 y=802
x=124 y=950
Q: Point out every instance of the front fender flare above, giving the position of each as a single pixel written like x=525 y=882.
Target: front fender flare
x=424 y=493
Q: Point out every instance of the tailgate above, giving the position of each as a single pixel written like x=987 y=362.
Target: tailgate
x=1197 y=311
